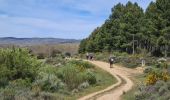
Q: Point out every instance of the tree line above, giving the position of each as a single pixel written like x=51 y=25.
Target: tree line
x=129 y=28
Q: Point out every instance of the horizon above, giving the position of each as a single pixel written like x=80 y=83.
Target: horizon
x=67 y=19
x=39 y=38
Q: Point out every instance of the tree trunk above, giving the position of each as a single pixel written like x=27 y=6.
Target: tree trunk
x=166 y=51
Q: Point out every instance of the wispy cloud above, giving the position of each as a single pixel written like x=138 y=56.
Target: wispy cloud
x=55 y=18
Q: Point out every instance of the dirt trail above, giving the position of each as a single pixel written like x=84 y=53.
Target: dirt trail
x=113 y=92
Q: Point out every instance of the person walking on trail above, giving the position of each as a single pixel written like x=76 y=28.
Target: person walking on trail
x=91 y=56
x=111 y=61
x=87 y=56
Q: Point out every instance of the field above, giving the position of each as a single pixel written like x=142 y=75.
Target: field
x=46 y=49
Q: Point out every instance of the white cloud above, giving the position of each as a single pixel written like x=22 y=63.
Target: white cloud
x=54 y=18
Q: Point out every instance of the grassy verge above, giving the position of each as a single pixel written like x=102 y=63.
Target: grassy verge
x=104 y=80
x=130 y=95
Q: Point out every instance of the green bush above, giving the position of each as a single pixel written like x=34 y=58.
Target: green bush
x=40 y=56
x=148 y=69
x=72 y=77
x=59 y=59
x=49 y=83
x=47 y=79
x=80 y=63
x=91 y=78
x=8 y=94
x=17 y=63
x=75 y=73
x=20 y=83
x=68 y=54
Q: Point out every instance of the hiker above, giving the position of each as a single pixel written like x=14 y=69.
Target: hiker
x=111 y=61
x=87 y=56
x=91 y=56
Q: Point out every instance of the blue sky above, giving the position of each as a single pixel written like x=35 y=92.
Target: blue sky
x=55 y=18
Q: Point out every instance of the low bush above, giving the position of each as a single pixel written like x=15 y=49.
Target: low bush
x=76 y=72
x=71 y=76
x=59 y=59
x=148 y=69
x=158 y=91
x=80 y=63
x=40 y=56
x=91 y=78
x=67 y=54
x=157 y=85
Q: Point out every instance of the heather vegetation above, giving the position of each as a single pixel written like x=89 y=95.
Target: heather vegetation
x=153 y=84
x=156 y=83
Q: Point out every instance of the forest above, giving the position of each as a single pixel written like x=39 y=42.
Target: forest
x=131 y=29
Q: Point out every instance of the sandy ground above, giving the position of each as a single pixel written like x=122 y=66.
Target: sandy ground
x=116 y=90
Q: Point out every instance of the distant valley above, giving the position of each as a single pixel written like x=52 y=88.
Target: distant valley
x=34 y=41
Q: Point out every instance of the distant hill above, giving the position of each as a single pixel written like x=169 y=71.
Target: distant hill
x=35 y=41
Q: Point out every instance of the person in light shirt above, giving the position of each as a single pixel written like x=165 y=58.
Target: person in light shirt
x=111 y=61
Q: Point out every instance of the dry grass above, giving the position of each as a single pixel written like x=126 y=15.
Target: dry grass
x=46 y=49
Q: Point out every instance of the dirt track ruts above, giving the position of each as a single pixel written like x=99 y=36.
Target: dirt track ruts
x=115 y=90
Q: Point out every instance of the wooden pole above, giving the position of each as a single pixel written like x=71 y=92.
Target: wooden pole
x=133 y=44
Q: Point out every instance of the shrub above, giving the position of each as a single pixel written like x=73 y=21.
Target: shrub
x=75 y=73
x=54 y=53
x=148 y=69
x=91 y=78
x=40 y=56
x=47 y=79
x=80 y=63
x=72 y=77
x=158 y=91
x=67 y=54
x=20 y=83
x=151 y=79
x=8 y=94
x=49 y=83
x=17 y=64
x=83 y=85
x=59 y=59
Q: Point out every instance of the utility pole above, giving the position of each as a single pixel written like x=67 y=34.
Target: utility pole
x=133 y=44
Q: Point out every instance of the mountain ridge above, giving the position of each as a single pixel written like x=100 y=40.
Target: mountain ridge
x=35 y=41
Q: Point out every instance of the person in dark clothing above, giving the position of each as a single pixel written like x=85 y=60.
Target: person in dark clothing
x=111 y=61
x=91 y=56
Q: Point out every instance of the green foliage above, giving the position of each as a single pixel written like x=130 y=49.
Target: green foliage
x=72 y=77
x=157 y=85
x=23 y=77
x=47 y=79
x=17 y=64
x=150 y=30
x=91 y=78
x=76 y=72
x=80 y=63
x=67 y=54
x=40 y=56
x=59 y=59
